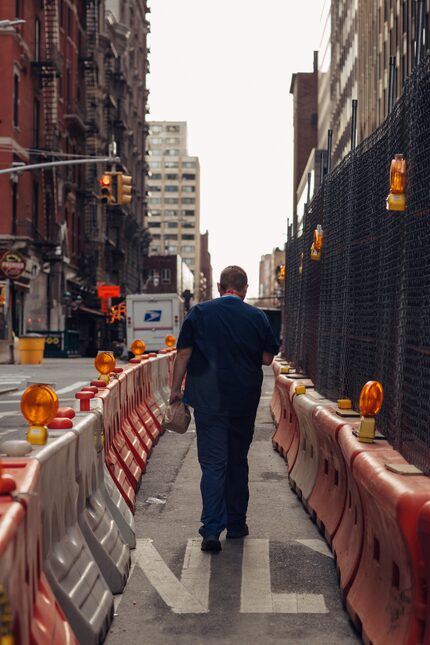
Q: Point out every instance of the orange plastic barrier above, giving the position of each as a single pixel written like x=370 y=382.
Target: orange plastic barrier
x=286 y=433
x=347 y=542
x=34 y=612
x=119 y=457
x=424 y=539
x=387 y=599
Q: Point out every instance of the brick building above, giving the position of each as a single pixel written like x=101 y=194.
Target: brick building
x=206 y=279
x=74 y=77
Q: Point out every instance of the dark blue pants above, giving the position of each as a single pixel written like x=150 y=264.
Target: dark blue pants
x=222 y=445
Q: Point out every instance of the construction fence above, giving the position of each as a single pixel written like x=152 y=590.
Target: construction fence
x=363 y=311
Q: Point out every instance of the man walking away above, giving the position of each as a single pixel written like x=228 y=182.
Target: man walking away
x=221 y=347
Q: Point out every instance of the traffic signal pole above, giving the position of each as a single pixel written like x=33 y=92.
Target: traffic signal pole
x=53 y=164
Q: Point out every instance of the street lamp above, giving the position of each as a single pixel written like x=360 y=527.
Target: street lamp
x=11 y=23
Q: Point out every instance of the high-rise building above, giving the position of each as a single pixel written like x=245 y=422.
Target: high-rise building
x=359 y=38
x=174 y=195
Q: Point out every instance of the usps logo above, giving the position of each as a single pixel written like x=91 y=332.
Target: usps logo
x=153 y=316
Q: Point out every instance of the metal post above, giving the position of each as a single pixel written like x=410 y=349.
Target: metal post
x=354 y=123
x=329 y=148
x=322 y=167
x=419 y=31
x=308 y=198
x=391 y=83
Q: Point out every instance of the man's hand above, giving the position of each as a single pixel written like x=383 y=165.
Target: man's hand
x=175 y=395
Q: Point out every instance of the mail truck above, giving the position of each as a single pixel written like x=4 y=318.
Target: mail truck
x=152 y=317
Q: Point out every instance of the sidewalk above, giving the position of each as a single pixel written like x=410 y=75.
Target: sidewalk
x=235 y=596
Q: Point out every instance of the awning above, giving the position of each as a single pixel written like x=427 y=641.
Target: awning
x=91 y=312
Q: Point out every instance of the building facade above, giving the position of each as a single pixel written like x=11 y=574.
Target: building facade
x=271 y=279
x=74 y=87
x=174 y=195
x=206 y=273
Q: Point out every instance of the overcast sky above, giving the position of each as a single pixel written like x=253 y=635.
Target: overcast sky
x=225 y=67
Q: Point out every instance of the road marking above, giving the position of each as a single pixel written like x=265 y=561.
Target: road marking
x=171 y=590
x=10 y=414
x=196 y=572
x=317 y=545
x=256 y=596
x=70 y=388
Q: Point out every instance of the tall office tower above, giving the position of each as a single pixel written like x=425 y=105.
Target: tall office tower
x=174 y=195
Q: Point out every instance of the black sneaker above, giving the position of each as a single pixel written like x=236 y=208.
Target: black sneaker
x=211 y=543
x=235 y=534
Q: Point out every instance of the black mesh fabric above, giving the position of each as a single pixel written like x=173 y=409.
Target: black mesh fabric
x=363 y=311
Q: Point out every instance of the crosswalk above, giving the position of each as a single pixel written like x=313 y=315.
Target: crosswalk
x=18 y=380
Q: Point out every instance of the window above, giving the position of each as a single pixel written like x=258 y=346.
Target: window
x=155 y=225
x=189 y=164
x=154 y=200
x=155 y=141
x=156 y=237
x=172 y=248
x=172 y=152
x=188 y=200
x=155 y=176
x=188 y=225
x=172 y=224
x=188 y=176
x=170 y=176
x=171 y=164
x=155 y=249
x=189 y=213
x=188 y=249
x=36 y=39
x=154 y=189
x=165 y=276
x=155 y=213
x=169 y=213
x=172 y=128
x=16 y=99
x=172 y=141
x=154 y=164
x=36 y=123
x=170 y=236
x=188 y=189
x=156 y=129
x=188 y=237
x=171 y=189
x=35 y=207
x=171 y=200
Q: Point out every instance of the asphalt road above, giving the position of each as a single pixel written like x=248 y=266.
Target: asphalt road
x=67 y=376
x=276 y=586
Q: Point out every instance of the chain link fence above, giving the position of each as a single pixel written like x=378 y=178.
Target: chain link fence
x=363 y=311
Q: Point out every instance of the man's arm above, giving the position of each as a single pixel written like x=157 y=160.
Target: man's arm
x=267 y=358
x=179 y=370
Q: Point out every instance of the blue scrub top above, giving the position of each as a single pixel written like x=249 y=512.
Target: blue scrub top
x=228 y=338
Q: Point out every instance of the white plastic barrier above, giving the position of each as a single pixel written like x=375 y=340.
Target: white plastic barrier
x=100 y=530
x=73 y=574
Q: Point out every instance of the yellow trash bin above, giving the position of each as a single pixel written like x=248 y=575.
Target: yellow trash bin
x=31 y=349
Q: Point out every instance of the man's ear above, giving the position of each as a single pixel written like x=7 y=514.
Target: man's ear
x=219 y=288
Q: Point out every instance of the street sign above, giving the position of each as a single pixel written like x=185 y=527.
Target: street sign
x=12 y=264
x=109 y=291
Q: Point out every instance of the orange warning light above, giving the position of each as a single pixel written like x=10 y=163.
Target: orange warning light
x=137 y=347
x=317 y=244
x=371 y=399
x=39 y=405
x=170 y=341
x=396 y=200
x=104 y=363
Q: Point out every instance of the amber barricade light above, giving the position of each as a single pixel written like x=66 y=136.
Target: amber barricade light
x=371 y=399
x=317 y=244
x=104 y=363
x=170 y=341
x=39 y=405
x=137 y=348
x=396 y=200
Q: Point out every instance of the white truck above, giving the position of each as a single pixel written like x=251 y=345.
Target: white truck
x=152 y=317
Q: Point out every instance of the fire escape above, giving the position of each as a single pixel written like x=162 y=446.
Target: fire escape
x=93 y=234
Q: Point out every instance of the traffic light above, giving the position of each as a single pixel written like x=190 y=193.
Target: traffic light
x=124 y=188
x=106 y=188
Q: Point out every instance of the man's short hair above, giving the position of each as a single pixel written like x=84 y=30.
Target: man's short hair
x=233 y=277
